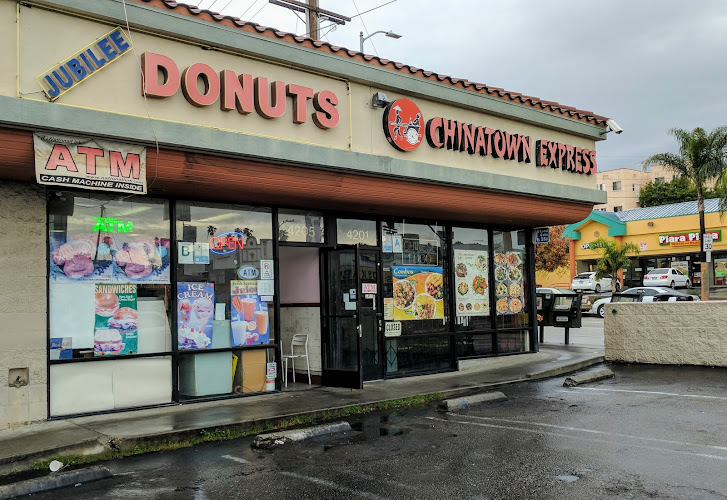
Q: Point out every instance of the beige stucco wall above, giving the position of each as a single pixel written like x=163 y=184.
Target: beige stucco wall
x=669 y=333
x=117 y=88
x=22 y=302
x=8 y=56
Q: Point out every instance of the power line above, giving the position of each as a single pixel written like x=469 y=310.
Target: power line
x=370 y=10
x=258 y=12
x=365 y=28
x=250 y=7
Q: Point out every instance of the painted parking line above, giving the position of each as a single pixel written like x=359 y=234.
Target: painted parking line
x=369 y=477
x=236 y=459
x=655 y=393
x=585 y=438
x=332 y=485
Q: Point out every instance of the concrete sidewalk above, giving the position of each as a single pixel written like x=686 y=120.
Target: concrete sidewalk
x=96 y=435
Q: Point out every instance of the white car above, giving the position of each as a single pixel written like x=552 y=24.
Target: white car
x=588 y=281
x=642 y=294
x=666 y=277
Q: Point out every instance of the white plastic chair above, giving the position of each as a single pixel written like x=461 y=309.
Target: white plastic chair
x=300 y=341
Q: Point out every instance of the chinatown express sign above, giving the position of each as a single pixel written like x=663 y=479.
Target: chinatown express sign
x=404 y=129
x=244 y=93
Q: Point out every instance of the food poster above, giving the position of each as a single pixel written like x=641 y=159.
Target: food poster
x=681 y=265
x=720 y=268
x=471 y=270
x=195 y=313
x=115 y=327
x=81 y=257
x=249 y=314
x=141 y=259
x=418 y=292
x=508 y=282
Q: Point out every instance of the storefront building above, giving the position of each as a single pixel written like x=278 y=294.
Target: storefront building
x=182 y=193
x=667 y=237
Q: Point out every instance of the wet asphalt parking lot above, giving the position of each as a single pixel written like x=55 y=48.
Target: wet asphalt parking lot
x=650 y=432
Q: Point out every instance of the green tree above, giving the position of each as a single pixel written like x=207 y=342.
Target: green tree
x=614 y=257
x=554 y=254
x=701 y=159
x=676 y=191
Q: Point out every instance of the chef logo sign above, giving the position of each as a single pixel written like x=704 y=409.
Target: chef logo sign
x=403 y=124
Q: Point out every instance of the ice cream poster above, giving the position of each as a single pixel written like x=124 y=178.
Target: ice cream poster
x=115 y=327
x=81 y=257
x=195 y=313
x=418 y=292
x=250 y=320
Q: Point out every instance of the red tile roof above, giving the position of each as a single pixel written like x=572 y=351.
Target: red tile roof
x=235 y=22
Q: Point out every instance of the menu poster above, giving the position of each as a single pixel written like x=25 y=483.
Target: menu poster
x=141 y=259
x=509 y=283
x=418 y=292
x=471 y=270
x=195 y=314
x=81 y=257
x=250 y=320
x=115 y=325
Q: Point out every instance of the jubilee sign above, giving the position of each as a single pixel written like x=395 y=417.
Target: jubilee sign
x=403 y=126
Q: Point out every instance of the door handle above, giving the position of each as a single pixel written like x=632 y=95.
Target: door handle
x=358 y=328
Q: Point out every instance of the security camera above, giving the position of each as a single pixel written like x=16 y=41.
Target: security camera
x=614 y=126
x=379 y=100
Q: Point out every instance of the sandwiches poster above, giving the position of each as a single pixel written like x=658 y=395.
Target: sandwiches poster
x=115 y=325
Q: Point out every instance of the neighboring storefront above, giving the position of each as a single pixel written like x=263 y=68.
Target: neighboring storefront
x=217 y=187
x=667 y=237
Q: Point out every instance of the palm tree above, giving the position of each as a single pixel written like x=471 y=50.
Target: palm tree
x=614 y=257
x=701 y=159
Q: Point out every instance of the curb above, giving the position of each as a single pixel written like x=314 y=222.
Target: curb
x=58 y=480
x=585 y=378
x=275 y=438
x=464 y=402
x=561 y=370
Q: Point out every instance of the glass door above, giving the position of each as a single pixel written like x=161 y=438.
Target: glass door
x=370 y=315
x=341 y=328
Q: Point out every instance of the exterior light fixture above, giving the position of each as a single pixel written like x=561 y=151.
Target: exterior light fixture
x=379 y=100
x=389 y=33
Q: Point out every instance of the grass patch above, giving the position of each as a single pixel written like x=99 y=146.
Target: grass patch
x=212 y=435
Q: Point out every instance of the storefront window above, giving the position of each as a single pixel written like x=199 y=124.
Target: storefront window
x=109 y=299
x=471 y=279
x=356 y=232
x=300 y=226
x=225 y=283
x=510 y=279
x=414 y=282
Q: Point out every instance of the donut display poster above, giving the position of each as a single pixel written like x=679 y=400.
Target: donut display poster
x=81 y=257
x=471 y=268
x=141 y=259
x=250 y=320
x=195 y=313
x=115 y=326
x=418 y=292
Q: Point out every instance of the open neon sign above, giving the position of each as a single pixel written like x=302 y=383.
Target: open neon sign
x=225 y=243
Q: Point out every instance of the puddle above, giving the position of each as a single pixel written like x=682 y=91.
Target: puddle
x=391 y=431
x=567 y=478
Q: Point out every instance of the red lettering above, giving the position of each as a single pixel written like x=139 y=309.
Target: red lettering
x=91 y=155
x=215 y=243
x=450 y=134
x=524 y=149
x=500 y=147
x=61 y=157
x=541 y=153
x=510 y=145
x=552 y=154
x=579 y=160
x=561 y=156
x=326 y=115
x=480 y=143
x=131 y=168
x=586 y=162
x=269 y=104
x=300 y=96
x=570 y=161
x=236 y=92
x=434 y=132
x=488 y=140
x=594 y=166
x=154 y=65
x=468 y=138
x=210 y=81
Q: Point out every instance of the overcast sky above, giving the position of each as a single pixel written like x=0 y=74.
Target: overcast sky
x=651 y=65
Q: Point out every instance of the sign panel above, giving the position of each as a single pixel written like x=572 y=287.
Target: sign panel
x=250 y=320
x=115 y=322
x=195 y=313
x=368 y=288
x=392 y=329
x=471 y=270
x=83 y=163
x=679 y=239
x=708 y=237
x=542 y=235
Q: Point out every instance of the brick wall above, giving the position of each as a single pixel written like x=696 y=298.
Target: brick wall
x=670 y=333
x=23 y=268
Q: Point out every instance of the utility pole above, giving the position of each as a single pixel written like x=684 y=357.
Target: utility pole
x=313 y=30
x=313 y=13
